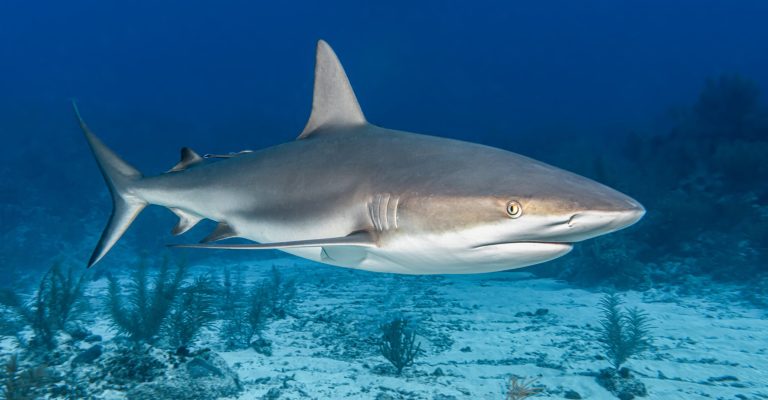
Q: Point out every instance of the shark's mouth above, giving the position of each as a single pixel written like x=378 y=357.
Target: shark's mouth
x=519 y=254
x=524 y=242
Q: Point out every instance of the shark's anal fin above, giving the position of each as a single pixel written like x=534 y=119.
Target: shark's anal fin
x=333 y=103
x=187 y=221
x=361 y=239
x=222 y=231
x=188 y=159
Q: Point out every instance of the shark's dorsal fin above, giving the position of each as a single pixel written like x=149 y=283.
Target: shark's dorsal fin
x=333 y=103
x=188 y=159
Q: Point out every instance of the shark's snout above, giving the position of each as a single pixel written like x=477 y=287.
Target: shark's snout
x=587 y=224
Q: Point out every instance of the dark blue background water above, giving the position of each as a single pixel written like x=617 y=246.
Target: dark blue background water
x=152 y=76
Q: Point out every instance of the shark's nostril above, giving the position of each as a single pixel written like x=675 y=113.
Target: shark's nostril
x=571 y=220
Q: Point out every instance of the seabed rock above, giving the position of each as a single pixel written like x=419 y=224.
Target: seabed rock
x=273 y=394
x=76 y=331
x=199 y=368
x=206 y=376
x=724 y=378
x=621 y=383
x=92 y=339
x=128 y=366
x=572 y=394
x=540 y=312
x=262 y=346
x=88 y=356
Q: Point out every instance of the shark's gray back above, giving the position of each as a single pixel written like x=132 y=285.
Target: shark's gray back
x=304 y=180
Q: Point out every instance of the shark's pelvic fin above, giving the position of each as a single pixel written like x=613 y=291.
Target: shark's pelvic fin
x=333 y=103
x=188 y=159
x=362 y=239
x=121 y=179
x=222 y=231
x=186 y=221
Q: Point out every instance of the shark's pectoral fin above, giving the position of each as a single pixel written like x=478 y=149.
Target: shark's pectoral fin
x=357 y=239
x=188 y=158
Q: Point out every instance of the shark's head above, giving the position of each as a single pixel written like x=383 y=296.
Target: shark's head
x=507 y=212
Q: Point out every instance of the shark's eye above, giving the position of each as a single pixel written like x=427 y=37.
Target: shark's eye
x=514 y=209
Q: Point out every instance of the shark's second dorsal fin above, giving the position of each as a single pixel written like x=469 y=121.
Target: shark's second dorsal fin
x=333 y=103
x=188 y=158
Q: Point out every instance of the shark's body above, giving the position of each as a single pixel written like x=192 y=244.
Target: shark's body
x=352 y=194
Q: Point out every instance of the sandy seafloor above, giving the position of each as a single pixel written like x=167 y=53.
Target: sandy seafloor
x=477 y=330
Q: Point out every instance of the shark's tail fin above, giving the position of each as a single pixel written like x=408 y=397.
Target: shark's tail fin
x=121 y=179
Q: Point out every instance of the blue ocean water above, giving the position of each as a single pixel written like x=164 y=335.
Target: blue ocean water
x=660 y=100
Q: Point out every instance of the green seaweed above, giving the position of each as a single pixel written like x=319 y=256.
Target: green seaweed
x=142 y=313
x=623 y=333
x=398 y=343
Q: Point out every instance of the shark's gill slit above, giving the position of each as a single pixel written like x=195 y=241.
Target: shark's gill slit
x=383 y=207
x=370 y=214
x=377 y=212
x=395 y=203
x=375 y=217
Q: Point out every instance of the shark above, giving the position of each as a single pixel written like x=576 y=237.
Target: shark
x=353 y=194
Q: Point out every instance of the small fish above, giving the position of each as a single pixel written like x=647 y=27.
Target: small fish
x=353 y=194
